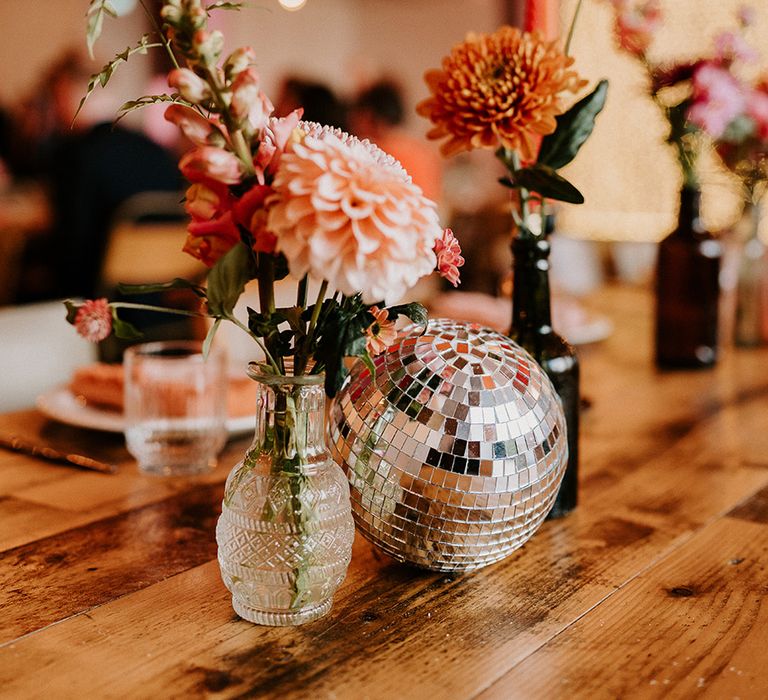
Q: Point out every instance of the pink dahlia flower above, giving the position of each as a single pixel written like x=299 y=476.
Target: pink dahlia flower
x=348 y=213
x=449 y=260
x=93 y=320
x=718 y=98
x=381 y=333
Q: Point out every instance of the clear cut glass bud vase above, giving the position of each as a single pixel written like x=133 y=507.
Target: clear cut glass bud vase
x=285 y=532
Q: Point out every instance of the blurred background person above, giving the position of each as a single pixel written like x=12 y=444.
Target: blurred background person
x=377 y=114
x=318 y=100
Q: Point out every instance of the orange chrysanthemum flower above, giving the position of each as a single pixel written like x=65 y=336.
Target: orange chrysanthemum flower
x=498 y=89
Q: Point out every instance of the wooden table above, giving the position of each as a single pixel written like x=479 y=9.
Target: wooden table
x=654 y=587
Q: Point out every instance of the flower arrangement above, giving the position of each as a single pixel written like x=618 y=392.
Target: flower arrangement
x=507 y=91
x=704 y=100
x=271 y=196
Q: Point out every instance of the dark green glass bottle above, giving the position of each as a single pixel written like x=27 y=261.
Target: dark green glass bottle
x=687 y=290
x=532 y=328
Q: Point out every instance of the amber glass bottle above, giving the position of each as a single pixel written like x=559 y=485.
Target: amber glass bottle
x=532 y=328
x=687 y=290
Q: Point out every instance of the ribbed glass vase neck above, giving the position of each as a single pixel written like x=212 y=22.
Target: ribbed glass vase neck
x=290 y=415
x=530 y=285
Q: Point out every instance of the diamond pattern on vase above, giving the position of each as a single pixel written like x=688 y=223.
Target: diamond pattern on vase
x=454 y=449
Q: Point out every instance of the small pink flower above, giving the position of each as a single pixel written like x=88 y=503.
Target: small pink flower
x=93 y=320
x=449 y=260
x=194 y=125
x=249 y=103
x=636 y=23
x=381 y=333
x=273 y=143
x=211 y=163
x=208 y=44
x=251 y=213
x=189 y=85
x=718 y=98
x=730 y=46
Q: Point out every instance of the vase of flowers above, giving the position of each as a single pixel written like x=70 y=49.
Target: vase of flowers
x=688 y=267
x=733 y=112
x=507 y=91
x=271 y=197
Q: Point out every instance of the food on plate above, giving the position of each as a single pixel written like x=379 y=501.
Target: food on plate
x=101 y=385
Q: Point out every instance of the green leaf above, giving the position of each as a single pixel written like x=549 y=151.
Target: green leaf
x=545 y=181
x=146 y=100
x=72 y=308
x=227 y=279
x=415 y=311
x=177 y=283
x=95 y=14
x=103 y=76
x=209 y=336
x=343 y=335
x=573 y=129
x=123 y=329
x=225 y=6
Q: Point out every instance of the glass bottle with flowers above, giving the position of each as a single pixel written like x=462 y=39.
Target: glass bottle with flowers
x=507 y=91
x=733 y=112
x=688 y=266
x=271 y=197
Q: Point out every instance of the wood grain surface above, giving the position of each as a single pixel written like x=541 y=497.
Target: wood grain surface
x=653 y=587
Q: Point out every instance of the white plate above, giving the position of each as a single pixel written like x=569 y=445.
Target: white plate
x=62 y=405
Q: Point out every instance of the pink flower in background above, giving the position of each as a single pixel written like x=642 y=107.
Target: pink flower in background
x=718 y=98
x=636 y=24
x=93 y=320
x=348 y=213
x=730 y=46
x=251 y=214
x=211 y=163
x=449 y=260
x=381 y=333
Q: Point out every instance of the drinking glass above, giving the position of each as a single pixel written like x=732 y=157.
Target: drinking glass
x=175 y=407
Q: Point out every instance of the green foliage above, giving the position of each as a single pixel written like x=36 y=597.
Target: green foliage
x=414 y=311
x=573 y=129
x=103 y=76
x=225 y=6
x=209 y=336
x=146 y=100
x=228 y=278
x=342 y=335
x=544 y=181
x=95 y=14
x=176 y=283
x=123 y=329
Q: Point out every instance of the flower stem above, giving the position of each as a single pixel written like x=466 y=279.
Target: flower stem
x=572 y=28
x=166 y=44
x=514 y=158
x=258 y=340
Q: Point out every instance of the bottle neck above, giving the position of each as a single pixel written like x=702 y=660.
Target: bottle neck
x=689 y=216
x=531 y=311
x=290 y=415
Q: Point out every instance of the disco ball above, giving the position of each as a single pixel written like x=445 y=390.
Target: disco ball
x=454 y=449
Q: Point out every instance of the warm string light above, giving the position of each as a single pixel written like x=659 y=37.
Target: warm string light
x=292 y=5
